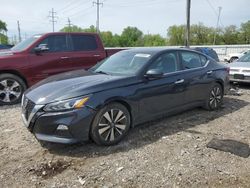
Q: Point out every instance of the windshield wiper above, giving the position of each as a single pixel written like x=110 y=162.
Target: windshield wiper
x=101 y=72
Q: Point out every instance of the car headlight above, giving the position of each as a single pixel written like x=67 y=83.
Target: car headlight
x=75 y=103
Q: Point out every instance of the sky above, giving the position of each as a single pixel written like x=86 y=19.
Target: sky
x=150 y=16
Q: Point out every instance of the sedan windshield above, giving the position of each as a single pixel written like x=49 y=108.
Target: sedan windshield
x=245 y=58
x=123 y=63
x=25 y=44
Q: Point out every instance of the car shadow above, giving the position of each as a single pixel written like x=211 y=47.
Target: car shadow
x=150 y=132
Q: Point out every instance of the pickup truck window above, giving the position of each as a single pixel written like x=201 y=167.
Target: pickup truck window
x=55 y=43
x=84 y=42
x=25 y=44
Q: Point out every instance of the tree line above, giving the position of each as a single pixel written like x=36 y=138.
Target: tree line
x=133 y=37
x=199 y=35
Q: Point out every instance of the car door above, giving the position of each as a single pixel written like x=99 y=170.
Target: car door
x=166 y=93
x=197 y=76
x=85 y=51
x=53 y=60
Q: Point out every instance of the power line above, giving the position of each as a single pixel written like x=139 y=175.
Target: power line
x=215 y=11
x=142 y=3
x=19 y=31
x=69 y=4
x=81 y=12
x=69 y=24
x=52 y=15
x=98 y=14
x=217 y=25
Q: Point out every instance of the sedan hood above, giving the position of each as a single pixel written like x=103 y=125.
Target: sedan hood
x=239 y=64
x=74 y=84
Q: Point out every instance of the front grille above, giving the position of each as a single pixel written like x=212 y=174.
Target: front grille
x=28 y=108
x=235 y=70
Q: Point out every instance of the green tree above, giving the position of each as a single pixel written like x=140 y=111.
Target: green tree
x=200 y=34
x=230 y=35
x=108 y=39
x=153 y=40
x=131 y=36
x=176 y=35
x=91 y=29
x=73 y=28
x=245 y=32
x=3 y=37
x=3 y=26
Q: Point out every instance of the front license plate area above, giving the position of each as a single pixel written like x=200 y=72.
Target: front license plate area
x=239 y=76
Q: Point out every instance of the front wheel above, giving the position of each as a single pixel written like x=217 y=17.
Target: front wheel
x=111 y=124
x=11 y=89
x=215 y=97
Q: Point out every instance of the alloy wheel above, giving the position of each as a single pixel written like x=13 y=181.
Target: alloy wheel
x=215 y=97
x=10 y=90
x=112 y=125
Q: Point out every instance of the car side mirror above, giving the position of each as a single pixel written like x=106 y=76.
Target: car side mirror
x=41 y=48
x=154 y=73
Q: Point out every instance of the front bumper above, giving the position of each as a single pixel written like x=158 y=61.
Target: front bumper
x=60 y=127
x=245 y=80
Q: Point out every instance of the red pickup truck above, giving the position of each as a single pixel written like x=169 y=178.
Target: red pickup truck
x=44 y=55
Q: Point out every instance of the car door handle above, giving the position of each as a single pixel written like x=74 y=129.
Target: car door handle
x=179 y=81
x=96 y=55
x=209 y=72
x=64 y=57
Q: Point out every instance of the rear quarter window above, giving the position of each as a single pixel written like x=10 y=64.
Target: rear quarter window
x=203 y=60
x=191 y=60
x=83 y=43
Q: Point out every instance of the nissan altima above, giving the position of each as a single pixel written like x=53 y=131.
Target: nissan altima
x=127 y=89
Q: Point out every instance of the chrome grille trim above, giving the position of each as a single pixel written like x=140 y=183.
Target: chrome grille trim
x=235 y=70
x=29 y=109
x=245 y=70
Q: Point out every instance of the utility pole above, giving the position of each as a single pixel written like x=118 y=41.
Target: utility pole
x=19 y=32
x=217 y=25
x=52 y=15
x=69 y=24
x=187 y=38
x=98 y=15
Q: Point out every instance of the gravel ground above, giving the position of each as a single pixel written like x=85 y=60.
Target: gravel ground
x=171 y=152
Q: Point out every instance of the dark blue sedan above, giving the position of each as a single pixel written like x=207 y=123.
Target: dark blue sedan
x=126 y=89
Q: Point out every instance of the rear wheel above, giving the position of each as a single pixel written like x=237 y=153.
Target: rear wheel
x=111 y=124
x=11 y=89
x=215 y=97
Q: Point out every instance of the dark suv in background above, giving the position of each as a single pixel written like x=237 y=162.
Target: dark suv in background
x=44 y=55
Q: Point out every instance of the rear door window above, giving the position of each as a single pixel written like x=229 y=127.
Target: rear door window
x=191 y=60
x=83 y=43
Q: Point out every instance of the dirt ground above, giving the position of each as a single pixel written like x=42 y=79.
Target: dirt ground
x=171 y=152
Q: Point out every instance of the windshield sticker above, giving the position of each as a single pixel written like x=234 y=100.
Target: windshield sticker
x=143 y=55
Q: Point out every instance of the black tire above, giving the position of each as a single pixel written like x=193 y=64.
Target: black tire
x=215 y=97
x=11 y=89
x=118 y=124
x=233 y=59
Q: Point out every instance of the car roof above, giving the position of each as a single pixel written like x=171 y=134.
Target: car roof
x=156 y=50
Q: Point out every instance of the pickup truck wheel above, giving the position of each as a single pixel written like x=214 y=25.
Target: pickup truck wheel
x=11 y=89
x=111 y=124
